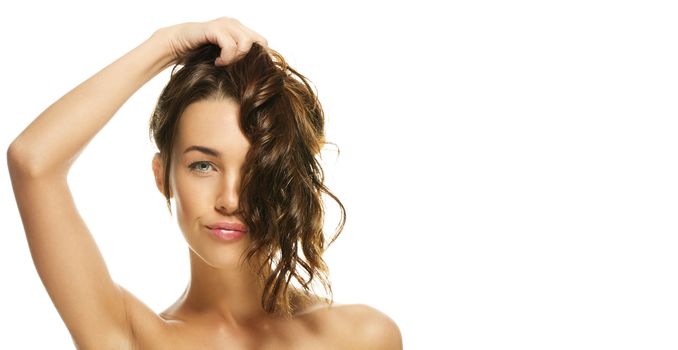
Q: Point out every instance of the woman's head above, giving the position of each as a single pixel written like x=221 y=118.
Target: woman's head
x=267 y=126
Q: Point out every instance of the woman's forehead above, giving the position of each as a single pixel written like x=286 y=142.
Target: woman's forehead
x=212 y=123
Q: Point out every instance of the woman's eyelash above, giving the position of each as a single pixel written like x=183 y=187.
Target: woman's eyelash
x=192 y=166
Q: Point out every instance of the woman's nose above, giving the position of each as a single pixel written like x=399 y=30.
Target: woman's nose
x=227 y=197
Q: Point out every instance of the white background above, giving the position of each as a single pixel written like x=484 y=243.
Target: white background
x=509 y=168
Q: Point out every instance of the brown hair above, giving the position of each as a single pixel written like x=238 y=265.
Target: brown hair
x=282 y=181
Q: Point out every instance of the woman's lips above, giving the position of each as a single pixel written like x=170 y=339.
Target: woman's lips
x=226 y=235
x=234 y=226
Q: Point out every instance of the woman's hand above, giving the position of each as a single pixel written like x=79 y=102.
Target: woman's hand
x=233 y=38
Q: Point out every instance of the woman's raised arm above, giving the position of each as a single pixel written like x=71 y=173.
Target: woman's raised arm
x=64 y=252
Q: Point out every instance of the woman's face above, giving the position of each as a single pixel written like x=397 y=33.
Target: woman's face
x=205 y=179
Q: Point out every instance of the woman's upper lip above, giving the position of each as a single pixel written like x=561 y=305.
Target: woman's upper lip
x=224 y=225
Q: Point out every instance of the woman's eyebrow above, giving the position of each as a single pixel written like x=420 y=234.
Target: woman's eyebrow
x=203 y=149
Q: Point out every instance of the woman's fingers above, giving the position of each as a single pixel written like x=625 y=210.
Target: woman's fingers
x=237 y=42
x=233 y=38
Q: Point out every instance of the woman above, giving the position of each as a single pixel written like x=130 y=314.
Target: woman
x=237 y=135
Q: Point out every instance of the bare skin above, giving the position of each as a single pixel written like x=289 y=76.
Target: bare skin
x=220 y=308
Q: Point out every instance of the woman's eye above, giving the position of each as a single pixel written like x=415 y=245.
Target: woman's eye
x=201 y=166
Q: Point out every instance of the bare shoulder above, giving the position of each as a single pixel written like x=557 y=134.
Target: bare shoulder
x=364 y=327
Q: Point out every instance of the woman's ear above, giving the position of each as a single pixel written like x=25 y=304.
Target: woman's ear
x=158 y=172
